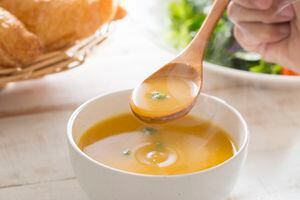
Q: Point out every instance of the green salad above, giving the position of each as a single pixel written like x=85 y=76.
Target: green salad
x=186 y=17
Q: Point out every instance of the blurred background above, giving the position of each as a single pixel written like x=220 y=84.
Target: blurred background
x=33 y=113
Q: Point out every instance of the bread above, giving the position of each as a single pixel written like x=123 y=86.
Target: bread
x=120 y=13
x=18 y=46
x=59 y=23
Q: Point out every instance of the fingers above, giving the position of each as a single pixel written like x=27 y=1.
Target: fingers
x=238 y=13
x=254 y=4
x=277 y=52
x=257 y=33
x=270 y=51
x=266 y=27
x=256 y=27
x=244 y=42
x=259 y=48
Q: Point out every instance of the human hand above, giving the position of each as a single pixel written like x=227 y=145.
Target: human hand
x=270 y=28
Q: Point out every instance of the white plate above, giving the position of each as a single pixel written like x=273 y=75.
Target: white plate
x=152 y=17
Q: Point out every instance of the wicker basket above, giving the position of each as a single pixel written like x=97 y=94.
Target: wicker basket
x=56 y=61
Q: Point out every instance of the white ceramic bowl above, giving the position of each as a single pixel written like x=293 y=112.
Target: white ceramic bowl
x=102 y=182
x=152 y=18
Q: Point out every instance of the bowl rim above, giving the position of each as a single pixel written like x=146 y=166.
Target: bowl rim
x=74 y=146
x=250 y=75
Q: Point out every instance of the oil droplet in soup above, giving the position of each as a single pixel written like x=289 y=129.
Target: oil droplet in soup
x=163 y=96
x=184 y=146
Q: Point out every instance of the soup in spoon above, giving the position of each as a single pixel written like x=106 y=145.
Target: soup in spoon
x=163 y=96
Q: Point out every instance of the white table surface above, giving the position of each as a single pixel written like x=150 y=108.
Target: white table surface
x=34 y=162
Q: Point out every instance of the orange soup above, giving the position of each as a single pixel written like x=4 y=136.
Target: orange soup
x=186 y=145
x=163 y=96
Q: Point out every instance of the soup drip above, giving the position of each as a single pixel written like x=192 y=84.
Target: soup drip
x=156 y=155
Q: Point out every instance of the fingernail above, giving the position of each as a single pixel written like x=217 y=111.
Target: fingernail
x=263 y=4
x=287 y=11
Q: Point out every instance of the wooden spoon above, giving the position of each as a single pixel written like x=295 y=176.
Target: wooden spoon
x=171 y=91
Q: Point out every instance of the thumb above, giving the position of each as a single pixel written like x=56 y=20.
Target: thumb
x=284 y=53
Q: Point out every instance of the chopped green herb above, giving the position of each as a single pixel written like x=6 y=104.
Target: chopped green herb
x=158 y=96
x=149 y=130
x=126 y=152
x=159 y=145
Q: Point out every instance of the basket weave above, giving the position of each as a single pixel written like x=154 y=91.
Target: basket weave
x=56 y=61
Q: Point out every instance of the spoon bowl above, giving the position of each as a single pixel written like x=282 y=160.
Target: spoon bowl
x=171 y=92
x=168 y=94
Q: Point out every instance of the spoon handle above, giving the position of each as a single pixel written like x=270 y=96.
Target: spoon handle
x=194 y=52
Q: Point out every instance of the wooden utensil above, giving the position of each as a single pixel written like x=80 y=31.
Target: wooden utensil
x=187 y=66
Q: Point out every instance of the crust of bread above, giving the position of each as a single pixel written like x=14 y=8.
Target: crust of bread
x=18 y=46
x=59 y=23
x=120 y=13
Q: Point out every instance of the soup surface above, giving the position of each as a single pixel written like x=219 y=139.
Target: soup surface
x=182 y=146
x=163 y=96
